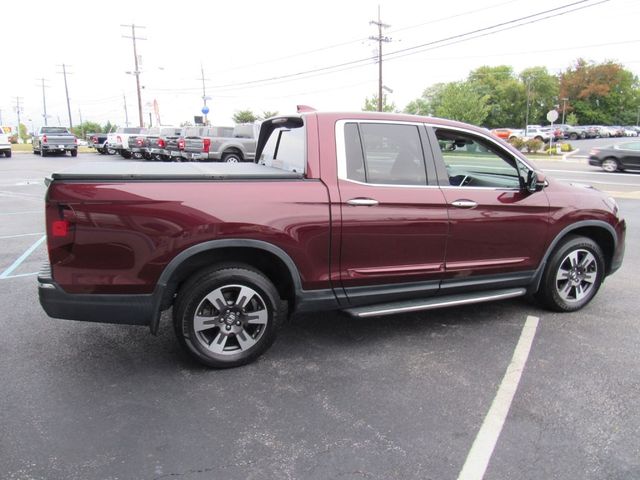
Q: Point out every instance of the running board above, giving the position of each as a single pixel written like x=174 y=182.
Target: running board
x=436 y=302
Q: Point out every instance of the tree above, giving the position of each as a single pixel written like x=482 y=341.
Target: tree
x=505 y=95
x=542 y=91
x=244 y=116
x=23 y=133
x=602 y=93
x=371 y=104
x=572 y=119
x=268 y=114
x=81 y=131
x=461 y=102
x=109 y=127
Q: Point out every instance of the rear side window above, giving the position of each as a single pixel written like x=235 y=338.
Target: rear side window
x=285 y=149
x=382 y=153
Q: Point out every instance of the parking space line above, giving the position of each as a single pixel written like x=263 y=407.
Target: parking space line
x=19 y=275
x=22 y=213
x=21 y=235
x=22 y=258
x=478 y=458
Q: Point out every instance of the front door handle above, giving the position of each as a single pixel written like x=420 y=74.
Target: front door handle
x=464 y=204
x=362 y=202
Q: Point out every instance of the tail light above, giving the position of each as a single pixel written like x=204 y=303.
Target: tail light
x=206 y=144
x=44 y=139
x=161 y=143
x=61 y=221
x=75 y=140
x=139 y=141
x=94 y=139
x=181 y=144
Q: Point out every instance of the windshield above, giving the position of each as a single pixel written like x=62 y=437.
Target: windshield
x=55 y=130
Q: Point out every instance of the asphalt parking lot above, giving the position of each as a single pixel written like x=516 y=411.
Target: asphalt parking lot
x=335 y=398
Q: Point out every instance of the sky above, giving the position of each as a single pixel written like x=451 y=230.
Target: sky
x=272 y=56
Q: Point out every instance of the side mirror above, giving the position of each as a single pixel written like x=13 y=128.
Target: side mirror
x=534 y=182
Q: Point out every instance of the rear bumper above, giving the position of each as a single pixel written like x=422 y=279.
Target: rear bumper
x=119 y=309
x=59 y=147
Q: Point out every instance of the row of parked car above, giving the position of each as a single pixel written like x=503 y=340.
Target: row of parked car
x=181 y=144
x=566 y=132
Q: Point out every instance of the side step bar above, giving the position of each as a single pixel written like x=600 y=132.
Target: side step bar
x=432 y=303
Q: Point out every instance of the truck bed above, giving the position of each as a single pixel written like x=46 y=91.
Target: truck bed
x=173 y=171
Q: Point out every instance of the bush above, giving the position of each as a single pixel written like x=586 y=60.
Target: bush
x=533 y=145
x=566 y=147
x=517 y=143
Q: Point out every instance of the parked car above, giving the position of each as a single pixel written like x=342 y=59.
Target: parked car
x=539 y=134
x=119 y=140
x=572 y=132
x=232 y=145
x=54 y=140
x=507 y=133
x=141 y=145
x=5 y=145
x=369 y=213
x=99 y=142
x=622 y=156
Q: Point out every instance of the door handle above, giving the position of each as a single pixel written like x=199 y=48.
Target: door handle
x=464 y=204
x=362 y=202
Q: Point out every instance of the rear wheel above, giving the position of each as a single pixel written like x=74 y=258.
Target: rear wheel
x=573 y=136
x=232 y=158
x=126 y=154
x=110 y=151
x=7 y=153
x=610 y=165
x=228 y=316
x=573 y=275
x=74 y=153
x=43 y=152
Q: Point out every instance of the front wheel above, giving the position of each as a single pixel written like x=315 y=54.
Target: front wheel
x=228 y=316
x=74 y=153
x=610 y=165
x=573 y=275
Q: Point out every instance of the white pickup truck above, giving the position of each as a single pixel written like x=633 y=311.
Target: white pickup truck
x=5 y=146
x=119 y=140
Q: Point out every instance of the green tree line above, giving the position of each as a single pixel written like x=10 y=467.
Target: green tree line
x=586 y=92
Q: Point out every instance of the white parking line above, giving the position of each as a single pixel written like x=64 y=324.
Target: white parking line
x=21 y=235
x=22 y=258
x=19 y=275
x=22 y=213
x=478 y=458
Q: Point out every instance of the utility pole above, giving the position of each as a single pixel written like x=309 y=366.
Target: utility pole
x=205 y=109
x=526 y=119
x=66 y=89
x=136 y=72
x=564 y=108
x=18 y=110
x=81 y=126
x=379 y=39
x=126 y=113
x=44 y=100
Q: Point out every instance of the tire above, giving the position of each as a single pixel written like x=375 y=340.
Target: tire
x=573 y=136
x=125 y=154
x=232 y=158
x=74 y=153
x=240 y=330
x=136 y=155
x=573 y=275
x=110 y=151
x=610 y=165
x=43 y=152
x=7 y=153
x=101 y=151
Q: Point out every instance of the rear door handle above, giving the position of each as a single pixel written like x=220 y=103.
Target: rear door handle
x=362 y=202
x=464 y=204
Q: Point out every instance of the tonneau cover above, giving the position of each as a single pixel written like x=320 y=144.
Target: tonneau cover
x=172 y=171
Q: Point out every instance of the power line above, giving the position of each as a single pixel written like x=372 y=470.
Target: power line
x=66 y=89
x=136 y=72
x=411 y=50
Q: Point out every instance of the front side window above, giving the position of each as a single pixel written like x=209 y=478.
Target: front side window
x=475 y=162
x=381 y=153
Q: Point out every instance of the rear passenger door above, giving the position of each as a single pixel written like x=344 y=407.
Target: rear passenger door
x=394 y=217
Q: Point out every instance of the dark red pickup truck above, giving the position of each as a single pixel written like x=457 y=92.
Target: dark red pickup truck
x=373 y=214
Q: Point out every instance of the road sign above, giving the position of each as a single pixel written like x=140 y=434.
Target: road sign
x=552 y=116
x=205 y=110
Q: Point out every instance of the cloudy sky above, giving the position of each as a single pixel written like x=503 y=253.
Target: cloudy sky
x=268 y=56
